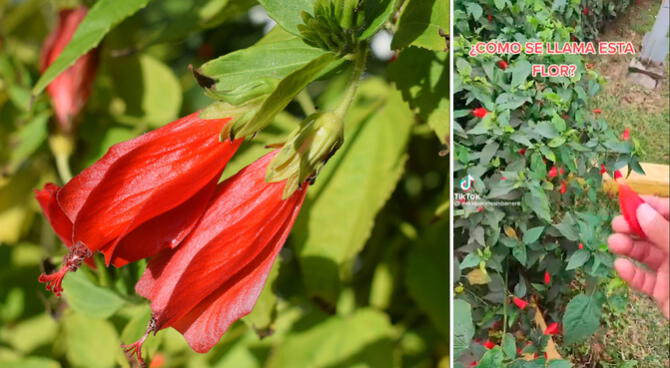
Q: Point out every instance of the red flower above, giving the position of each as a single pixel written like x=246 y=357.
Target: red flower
x=597 y=111
x=489 y=17
x=580 y=246
x=71 y=89
x=553 y=172
x=480 y=209
x=522 y=151
x=626 y=134
x=522 y=304
x=564 y=187
x=585 y=11
x=629 y=201
x=215 y=276
x=474 y=363
x=143 y=196
x=603 y=169
x=561 y=171
x=503 y=178
x=547 y=278
x=479 y=112
x=489 y=344
x=552 y=329
x=502 y=64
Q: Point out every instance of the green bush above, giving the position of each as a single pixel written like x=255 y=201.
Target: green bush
x=534 y=127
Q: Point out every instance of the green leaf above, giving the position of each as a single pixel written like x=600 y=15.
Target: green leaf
x=352 y=188
x=27 y=139
x=559 y=363
x=256 y=70
x=471 y=260
x=464 y=329
x=422 y=24
x=537 y=201
x=520 y=71
x=492 y=358
x=29 y=334
x=88 y=299
x=102 y=17
x=531 y=235
x=425 y=280
x=287 y=13
x=520 y=253
x=150 y=91
x=91 y=343
x=423 y=78
x=286 y=91
x=376 y=13
x=581 y=318
x=577 y=259
x=474 y=9
x=30 y=362
x=364 y=338
x=509 y=346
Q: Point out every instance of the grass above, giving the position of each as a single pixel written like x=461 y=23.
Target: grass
x=625 y=104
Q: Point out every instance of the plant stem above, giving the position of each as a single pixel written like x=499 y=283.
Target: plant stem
x=360 y=58
x=306 y=104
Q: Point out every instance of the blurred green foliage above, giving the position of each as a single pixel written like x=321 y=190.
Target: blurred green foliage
x=363 y=280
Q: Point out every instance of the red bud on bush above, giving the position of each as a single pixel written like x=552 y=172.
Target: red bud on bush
x=522 y=304
x=547 y=278
x=502 y=64
x=479 y=112
x=626 y=134
x=553 y=172
x=552 y=329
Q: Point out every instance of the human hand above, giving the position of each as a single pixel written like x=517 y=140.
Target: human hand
x=654 y=251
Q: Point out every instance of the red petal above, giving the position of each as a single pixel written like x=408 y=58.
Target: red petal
x=214 y=277
x=162 y=232
x=489 y=344
x=59 y=222
x=552 y=329
x=143 y=178
x=70 y=90
x=547 y=278
x=629 y=201
x=522 y=304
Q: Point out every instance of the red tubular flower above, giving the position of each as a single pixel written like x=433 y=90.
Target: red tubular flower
x=522 y=304
x=552 y=329
x=474 y=363
x=522 y=151
x=143 y=196
x=597 y=111
x=489 y=17
x=502 y=64
x=489 y=344
x=561 y=171
x=629 y=201
x=479 y=112
x=626 y=134
x=553 y=172
x=585 y=11
x=547 y=278
x=564 y=187
x=580 y=246
x=215 y=276
x=71 y=89
x=603 y=169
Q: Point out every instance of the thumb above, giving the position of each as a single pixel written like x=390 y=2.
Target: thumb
x=654 y=226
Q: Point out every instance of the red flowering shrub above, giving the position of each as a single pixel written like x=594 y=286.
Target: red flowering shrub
x=544 y=138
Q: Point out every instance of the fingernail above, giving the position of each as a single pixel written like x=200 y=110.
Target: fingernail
x=645 y=214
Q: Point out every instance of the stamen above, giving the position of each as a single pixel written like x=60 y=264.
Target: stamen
x=71 y=263
x=134 y=350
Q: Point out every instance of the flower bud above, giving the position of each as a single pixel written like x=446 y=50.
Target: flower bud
x=307 y=149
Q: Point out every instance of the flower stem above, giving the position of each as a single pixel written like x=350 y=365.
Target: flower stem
x=360 y=58
x=306 y=104
x=62 y=147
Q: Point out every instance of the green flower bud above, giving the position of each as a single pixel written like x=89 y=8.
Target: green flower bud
x=305 y=152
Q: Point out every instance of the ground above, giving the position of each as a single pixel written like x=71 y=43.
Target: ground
x=625 y=104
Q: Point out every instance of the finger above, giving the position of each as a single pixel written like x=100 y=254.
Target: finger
x=636 y=277
x=639 y=250
x=655 y=226
x=620 y=225
x=661 y=205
